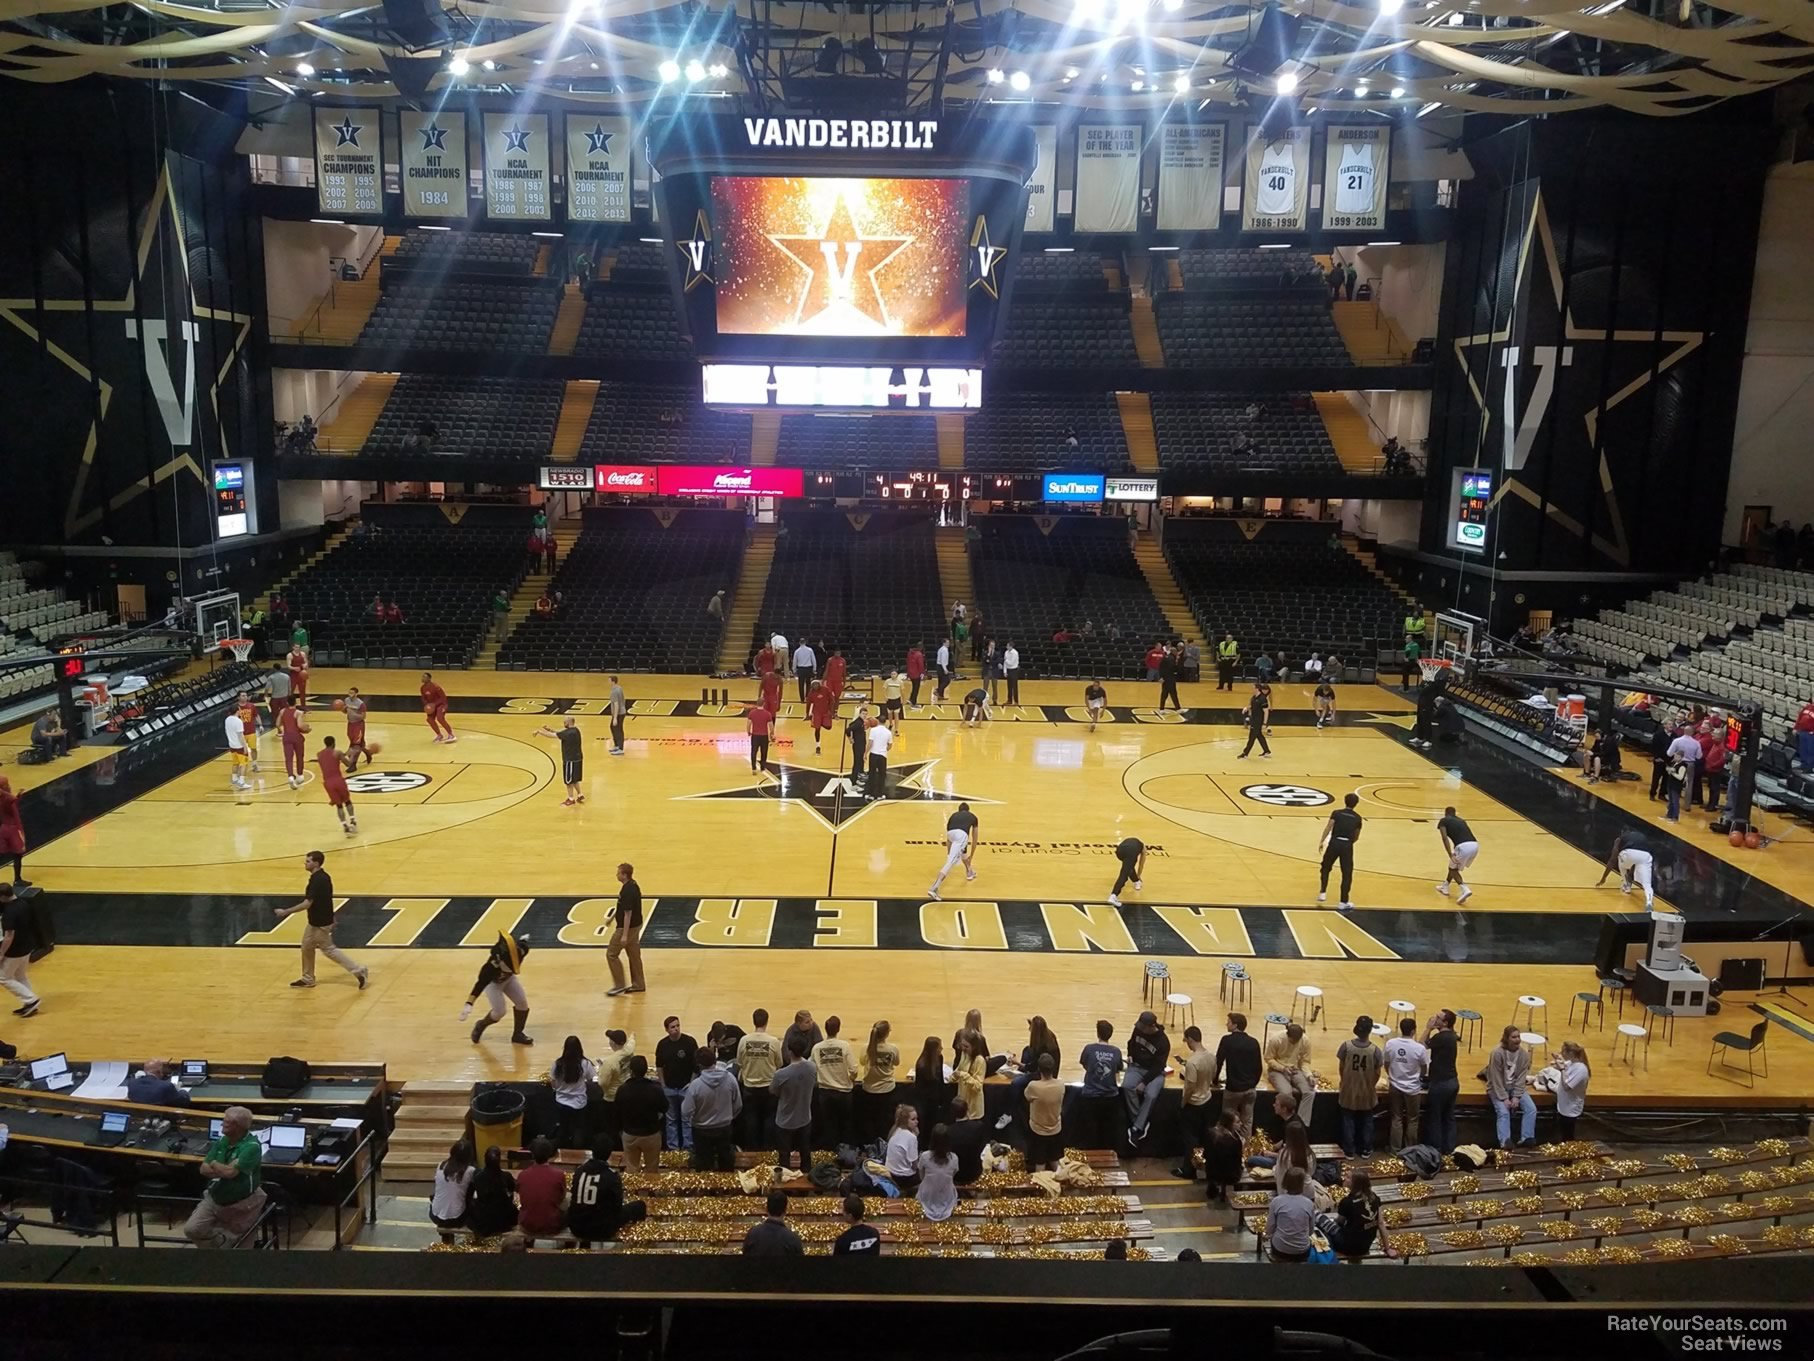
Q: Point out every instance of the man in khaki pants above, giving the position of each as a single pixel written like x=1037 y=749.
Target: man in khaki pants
x=318 y=902
x=627 y=938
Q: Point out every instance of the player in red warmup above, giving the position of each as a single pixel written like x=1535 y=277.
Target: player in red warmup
x=759 y=722
x=434 y=704
x=771 y=692
x=291 y=728
x=298 y=666
x=836 y=670
x=822 y=707
x=333 y=782
x=354 y=704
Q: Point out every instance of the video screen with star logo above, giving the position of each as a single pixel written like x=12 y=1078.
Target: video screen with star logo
x=841 y=257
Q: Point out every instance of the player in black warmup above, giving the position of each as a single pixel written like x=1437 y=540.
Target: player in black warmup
x=1339 y=835
x=573 y=759
x=856 y=733
x=1259 y=707
x=1169 y=666
x=1132 y=855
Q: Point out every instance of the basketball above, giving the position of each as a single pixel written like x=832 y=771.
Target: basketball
x=340 y=706
x=372 y=748
x=1736 y=837
x=1753 y=840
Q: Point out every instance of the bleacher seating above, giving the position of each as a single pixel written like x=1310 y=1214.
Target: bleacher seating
x=464 y=317
x=31 y=615
x=443 y=578
x=1247 y=268
x=625 y=324
x=1287 y=590
x=469 y=252
x=1287 y=434
x=1028 y=583
x=483 y=416
x=639 y=262
x=1059 y=271
x=1028 y=431
x=636 y=423
x=1068 y=333
x=1203 y=330
x=894 y=443
x=634 y=595
x=873 y=592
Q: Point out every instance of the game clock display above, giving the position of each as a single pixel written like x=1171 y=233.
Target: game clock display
x=1473 y=501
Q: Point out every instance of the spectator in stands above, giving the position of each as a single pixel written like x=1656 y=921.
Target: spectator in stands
x=937 y=1192
x=1199 y=1076
x=1445 y=1086
x=772 y=1237
x=834 y=1061
x=642 y=1106
x=1147 y=1050
x=47 y=736
x=1264 y=668
x=534 y=549
x=1711 y=769
x=804 y=1029
x=793 y=1086
x=1061 y=634
x=233 y=1200
x=1221 y=1158
x=902 y=1158
x=759 y=1054
x=1508 y=1070
x=453 y=1185
x=544 y=606
x=1357 y=1219
x=500 y=613
x=1804 y=736
x=1349 y=278
x=152 y=1086
x=676 y=1059
x=860 y=1239
x=1334 y=278
x=1660 y=738
x=1239 y=1066
x=1045 y=1115
x=929 y=1082
x=541 y=1191
x=710 y=1107
x=1600 y=756
x=1288 y=1069
x=1154 y=656
x=378 y=607
x=1358 y=1061
x=393 y=613
x=598 y=1209
x=1289 y=1217
x=992 y=672
x=714 y=607
x=1406 y=1062
x=1785 y=544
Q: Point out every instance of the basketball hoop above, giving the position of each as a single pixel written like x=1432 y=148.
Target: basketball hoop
x=1433 y=668
x=242 y=647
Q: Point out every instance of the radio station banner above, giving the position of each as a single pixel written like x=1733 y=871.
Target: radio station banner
x=1108 y=177
x=598 y=168
x=1042 y=189
x=1191 y=167
x=516 y=167
x=1276 y=194
x=1357 y=166
x=348 y=161
x=434 y=163
x=566 y=477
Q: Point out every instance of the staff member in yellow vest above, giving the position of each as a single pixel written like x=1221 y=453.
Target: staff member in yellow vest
x=233 y=1201
x=1227 y=651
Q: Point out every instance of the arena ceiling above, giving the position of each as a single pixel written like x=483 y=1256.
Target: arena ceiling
x=1655 y=57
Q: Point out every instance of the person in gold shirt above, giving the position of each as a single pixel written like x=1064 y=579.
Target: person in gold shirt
x=875 y=1115
x=836 y=1061
x=758 y=1055
x=1288 y=1069
x=969 y=1068
x=1193 y=1107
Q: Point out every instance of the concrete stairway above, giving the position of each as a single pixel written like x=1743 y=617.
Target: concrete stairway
x=430 y=1119
x=524 y=599
x=950 y=425
x=576 y=410
x=1348 y=432
x=953 y=570
x=1146 y=332
x=1370 y=335
x=345 y=307
x=746 y=598
x=567 y=321
x=1166 y=591
x=333 y=541
x=1366 y=558
x=1137 y=428
x=765 y=439
x=357 y=413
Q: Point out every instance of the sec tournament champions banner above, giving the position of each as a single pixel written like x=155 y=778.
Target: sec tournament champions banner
x=516 y=167
x=347 y=163
x=1357 y=164
x=1190 y=176
x=1276 y=195
x=1042 y=189
x=1108 y=177
x=434 y=163
x=598 y=168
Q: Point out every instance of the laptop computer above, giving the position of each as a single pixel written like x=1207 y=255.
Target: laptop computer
x=112 y=1132
x=195 y=1072
x=214 y=1129
x=53 y=1071
x=288 y=1143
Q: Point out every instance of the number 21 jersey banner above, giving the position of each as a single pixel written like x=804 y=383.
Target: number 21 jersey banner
x=434 y=163
x=1357 y=164
x=1276 y=190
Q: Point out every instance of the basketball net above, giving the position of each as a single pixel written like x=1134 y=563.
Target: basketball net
x=1432 y=667
x=241 y=647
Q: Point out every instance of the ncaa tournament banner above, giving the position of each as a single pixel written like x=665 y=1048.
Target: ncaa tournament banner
x=598 y=168
x=348 y=165
x=1276 y=192
x=434 y=163
x=1108 y=177
x=1190 y=176
x=1042 y=190
x=516 y=167
x=1357 y=163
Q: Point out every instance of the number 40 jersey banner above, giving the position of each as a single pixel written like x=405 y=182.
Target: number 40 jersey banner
x=1357 y=166
x=1276 y=188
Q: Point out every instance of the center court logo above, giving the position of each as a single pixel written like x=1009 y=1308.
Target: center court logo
x=385 y=782
x=1286 y=795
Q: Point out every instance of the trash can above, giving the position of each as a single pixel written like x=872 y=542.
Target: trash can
x=497 y=1119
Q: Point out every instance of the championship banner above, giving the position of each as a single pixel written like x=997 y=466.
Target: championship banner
x=1276 y=194
x=1108 y=177
x=1357 y=166
x=1042 y=189
x=598 y=168
x=1191 y=159
x=434 y=163
x=347 y=162
x=516 y=167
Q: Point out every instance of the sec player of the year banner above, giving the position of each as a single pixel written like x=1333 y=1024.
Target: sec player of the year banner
x=598 y=168
x=1042 y=189
x=434 y=163
x=1108 y=177
x=1276 y=195
x=1190 y=177
x=516 y=167
x=347 y=161
x=1357 y=164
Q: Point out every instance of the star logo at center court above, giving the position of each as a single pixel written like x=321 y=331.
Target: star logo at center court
x=841 y=266
x=831 y=795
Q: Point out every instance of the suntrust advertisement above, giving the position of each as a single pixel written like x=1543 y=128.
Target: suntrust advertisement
x=1073 y=486
x=716 y=480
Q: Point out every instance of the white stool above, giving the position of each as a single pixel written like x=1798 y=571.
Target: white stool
x=1397 y=1011
x=1530 y=1004
x=1312 y=1000
x=1533 y=1041
x=1631 y=1034
x=1179 y=1006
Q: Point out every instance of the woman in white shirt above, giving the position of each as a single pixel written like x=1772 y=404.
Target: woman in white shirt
x=938 y=1176
x=453 y=1182
x=572 y=1077
x=903 y=1156
x=1568 y=1077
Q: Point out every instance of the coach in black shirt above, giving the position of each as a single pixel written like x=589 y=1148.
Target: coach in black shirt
x=627 y=938
x=318 y=902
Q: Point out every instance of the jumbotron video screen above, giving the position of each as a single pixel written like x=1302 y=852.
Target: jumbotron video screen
x=841 y=257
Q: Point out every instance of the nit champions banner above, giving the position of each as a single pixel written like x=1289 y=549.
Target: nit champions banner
x=1276 y=194
x=598 y=168
x=348 y=162
x=1108 y=177
x=434 y=163
x=1357 y=163
x=1191 y=164
x=516 y=167
x=1042 y=189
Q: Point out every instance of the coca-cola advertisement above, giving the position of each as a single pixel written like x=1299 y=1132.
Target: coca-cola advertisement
x=623 y=479
x=711 y=480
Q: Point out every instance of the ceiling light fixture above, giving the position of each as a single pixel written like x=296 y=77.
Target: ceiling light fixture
x=1286 y=82
x=719 y=70
x=1071 y=73
x=304 y=70
x=1398 y=92
x=695 y=70
x=996 y=75
x=1020 y=80
x=1388 y=8
x=1138 y=86
x=459 y=66
x=1182 y=83
x=489 y=64
x=668 y=70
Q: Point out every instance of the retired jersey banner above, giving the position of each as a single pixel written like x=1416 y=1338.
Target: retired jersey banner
x=516 y=167
x=348 y=166
x=434 y=163
x=1357 y=164
x=1276 y=195
x=598 y=168
x=1042 y=189
x=1108 y=177
x=1191 y=159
